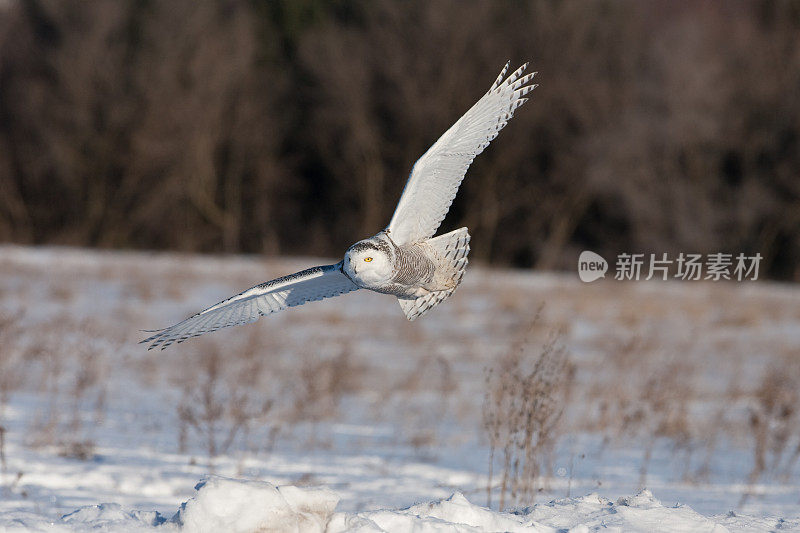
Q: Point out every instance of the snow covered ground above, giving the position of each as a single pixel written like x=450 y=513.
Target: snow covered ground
x=680 y=413
x=246 y=506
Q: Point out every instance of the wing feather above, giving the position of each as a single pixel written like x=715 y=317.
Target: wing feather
x=437 y=175
x=307 y=286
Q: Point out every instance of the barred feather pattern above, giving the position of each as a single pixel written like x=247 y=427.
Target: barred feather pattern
x=308 y=285
x=414 y=267
x=452 y=248
x=437 y=175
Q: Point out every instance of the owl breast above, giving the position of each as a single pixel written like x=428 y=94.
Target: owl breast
x=414 y=271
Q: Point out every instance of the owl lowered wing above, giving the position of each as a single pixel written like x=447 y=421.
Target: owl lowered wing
x=436 y=176
x=309 y=285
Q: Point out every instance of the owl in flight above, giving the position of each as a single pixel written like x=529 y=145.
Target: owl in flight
x=405 y=259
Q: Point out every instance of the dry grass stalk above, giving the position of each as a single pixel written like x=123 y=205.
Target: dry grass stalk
x=73 y=378
x=525 y=398
x=322 y=384
x=431 y=378
x=664 y=410
x=222 y=398
x=12 y=359
x=3 y=462
x=44 y=427
x=646 y=397
x=773 y=422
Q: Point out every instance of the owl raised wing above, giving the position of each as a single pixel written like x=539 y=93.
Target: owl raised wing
x=308 y=285
x=436 y=176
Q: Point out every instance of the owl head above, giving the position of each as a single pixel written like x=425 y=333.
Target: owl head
x=369 y=263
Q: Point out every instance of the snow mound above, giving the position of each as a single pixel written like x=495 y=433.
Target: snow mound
x=248 y=506
x=235 y=506
x=641 y=513
x=454 y=514
x=96 y=518
x=110 y=516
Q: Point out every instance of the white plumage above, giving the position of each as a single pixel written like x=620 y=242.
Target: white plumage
x=296 y=289
x=403 y=260
x=436 y=176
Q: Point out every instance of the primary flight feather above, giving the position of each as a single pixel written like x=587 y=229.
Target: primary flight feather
x=403 y=260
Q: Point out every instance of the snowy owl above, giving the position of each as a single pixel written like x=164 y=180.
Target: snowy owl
x=405 y=259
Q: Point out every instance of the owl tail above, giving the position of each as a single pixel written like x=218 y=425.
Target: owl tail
x=453 y=247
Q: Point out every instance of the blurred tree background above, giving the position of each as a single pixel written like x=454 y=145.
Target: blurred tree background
x=290 y=126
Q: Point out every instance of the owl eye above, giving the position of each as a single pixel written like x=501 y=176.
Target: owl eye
x=367 y=259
